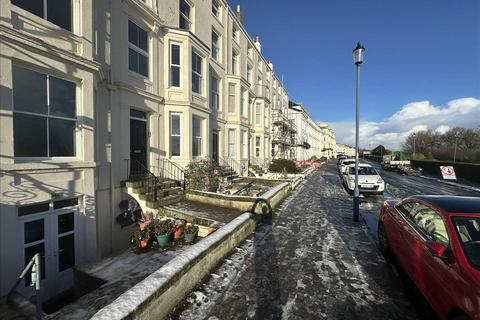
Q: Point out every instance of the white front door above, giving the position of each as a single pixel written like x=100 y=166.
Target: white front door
x=54 y=235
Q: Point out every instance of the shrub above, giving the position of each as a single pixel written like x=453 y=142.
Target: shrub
x=277 y=165
x=323 y=159
x=204 y=175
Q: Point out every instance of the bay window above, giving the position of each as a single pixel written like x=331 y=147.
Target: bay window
x=44 y=115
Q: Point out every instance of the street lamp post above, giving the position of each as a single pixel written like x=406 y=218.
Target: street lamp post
x=414 y=135
x=455 y=149
x=358 y=54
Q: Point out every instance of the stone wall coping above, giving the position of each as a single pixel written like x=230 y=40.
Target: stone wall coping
x=126 y=305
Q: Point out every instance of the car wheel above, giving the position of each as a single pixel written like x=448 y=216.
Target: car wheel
x=383 y=243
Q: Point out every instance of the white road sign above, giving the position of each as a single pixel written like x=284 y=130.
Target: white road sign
x=448 y=173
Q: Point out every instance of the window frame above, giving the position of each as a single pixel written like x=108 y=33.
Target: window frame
x=195 y=72
x=189 y=19
x=231 y=135
x=139 y=51
x=235 y=56
x=257 y=146
x=216 y=9
x=71 y=28
x=172 y=65
x=232 y=96
x=76 y=134
x=197 y=138
x=179 y=135
x=215 y=52
x=214 y=93
x=258 y=112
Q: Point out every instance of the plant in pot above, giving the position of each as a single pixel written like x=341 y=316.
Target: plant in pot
x=146 y=219
x=163 y=231
x=191 y=232
x=140 y=238
x=177 y=228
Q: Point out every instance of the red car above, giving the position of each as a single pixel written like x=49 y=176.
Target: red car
x=436 y=240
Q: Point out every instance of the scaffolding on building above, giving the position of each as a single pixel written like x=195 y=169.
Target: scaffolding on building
x=283 y=135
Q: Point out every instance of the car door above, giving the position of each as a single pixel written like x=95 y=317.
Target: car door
x=437 y=275
x=407 y=241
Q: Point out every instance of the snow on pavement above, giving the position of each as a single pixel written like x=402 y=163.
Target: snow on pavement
x=310 y=261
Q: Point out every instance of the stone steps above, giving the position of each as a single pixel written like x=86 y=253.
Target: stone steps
x=168 y=192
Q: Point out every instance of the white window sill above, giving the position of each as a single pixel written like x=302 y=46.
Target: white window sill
x=30 y=165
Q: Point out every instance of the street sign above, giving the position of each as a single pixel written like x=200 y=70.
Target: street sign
x=448 y=173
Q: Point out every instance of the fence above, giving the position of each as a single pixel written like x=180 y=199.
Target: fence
x=467 y=171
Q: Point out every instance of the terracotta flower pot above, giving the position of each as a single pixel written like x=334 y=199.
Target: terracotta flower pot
x=142 y=244
x=178 y=232
x=142 y=225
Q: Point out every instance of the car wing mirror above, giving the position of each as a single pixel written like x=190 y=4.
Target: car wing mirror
x=438 y=250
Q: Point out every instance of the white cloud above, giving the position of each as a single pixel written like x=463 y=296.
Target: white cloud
x=414 y=116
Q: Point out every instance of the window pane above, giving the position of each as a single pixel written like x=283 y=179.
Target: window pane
x=175 y=77
x=175 y=146
x=184 y=23
x=142 y=65
x=132 y=60
x=195 y=83
x=33 y=6
x=175 y=124
x=66 y=252
x=59 y=12
x=138 y=114
x=65 y=222
x=29 y=135
x=184 y=8
x=175 y=54
x=62 y=137
x=62 y=98
x=65 y=203
x=33 y=208
x=29 y=90
x=143 y=39
x=34 y=231
x=197 y=127
x=132 y=33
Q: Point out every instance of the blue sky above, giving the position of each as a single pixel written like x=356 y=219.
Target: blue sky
x=416 y=51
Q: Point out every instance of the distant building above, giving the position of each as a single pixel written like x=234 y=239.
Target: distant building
x=329 y=144
x=308 y=135
x=345 y=150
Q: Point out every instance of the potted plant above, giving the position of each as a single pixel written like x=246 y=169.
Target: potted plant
x=145 y=220
x=191 y=232
x=140 y=238
x=163 y=231
x=177 y=228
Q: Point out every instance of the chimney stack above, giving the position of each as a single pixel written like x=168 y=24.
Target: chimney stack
x=257 y=43
x=238 y=14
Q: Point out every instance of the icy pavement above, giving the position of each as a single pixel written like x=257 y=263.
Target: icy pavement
x=310 y=262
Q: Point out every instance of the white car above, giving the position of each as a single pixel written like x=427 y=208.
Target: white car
x=342 y=167
x=369 y=181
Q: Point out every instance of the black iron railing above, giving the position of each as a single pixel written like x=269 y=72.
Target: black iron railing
x=169 y=170
x=151 y=183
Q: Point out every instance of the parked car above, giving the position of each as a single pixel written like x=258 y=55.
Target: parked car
x=343 y=165
x=340 y=159
x=369 y=181
x=436 y=240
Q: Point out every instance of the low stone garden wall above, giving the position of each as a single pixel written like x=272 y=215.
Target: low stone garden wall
x=158 y=294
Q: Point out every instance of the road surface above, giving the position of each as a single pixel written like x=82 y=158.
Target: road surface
x=310 y=261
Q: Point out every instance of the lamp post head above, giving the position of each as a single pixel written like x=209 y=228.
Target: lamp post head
x=358 y=54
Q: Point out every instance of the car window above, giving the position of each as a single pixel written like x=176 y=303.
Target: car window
x=430 y=223
x=468 y=230
x=406 y=209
